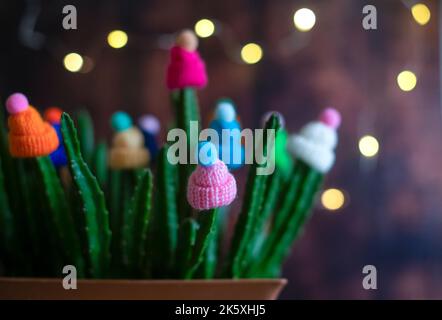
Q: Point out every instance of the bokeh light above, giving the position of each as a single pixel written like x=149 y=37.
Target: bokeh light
x=406 y=80
x=304 y=19
x=368 y=146
x=332 y=199
x=251 y=53
x=204 y=28
x=73 y=62
x=117 y=39
x=421 y=13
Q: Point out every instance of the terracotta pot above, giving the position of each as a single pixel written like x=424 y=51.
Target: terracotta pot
x=228 y=289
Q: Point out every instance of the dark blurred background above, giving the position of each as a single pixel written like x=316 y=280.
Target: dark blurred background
x=391 y=217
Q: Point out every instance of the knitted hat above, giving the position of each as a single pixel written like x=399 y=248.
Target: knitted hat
x=29 y=136
x=128 y=151
x=210 y=185
x=186 y=68
x=231 y=150
x=317 y=140
x=53 y=116
x=150 y=126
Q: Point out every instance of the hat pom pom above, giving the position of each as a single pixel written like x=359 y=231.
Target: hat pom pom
x=53 y=115
x=207 y=154
x=149 y=123
x=121 y=121
x=331 y=117
x=225 y=111
x=17 y=103
x=187 y=40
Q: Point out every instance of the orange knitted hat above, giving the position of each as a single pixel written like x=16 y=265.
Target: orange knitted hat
x=29 y=136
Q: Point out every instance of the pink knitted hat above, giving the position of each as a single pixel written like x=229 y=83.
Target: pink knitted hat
x=211 y=187
x=186 y=68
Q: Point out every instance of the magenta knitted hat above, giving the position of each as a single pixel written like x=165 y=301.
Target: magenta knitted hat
x=186 y=68
x=211 y=187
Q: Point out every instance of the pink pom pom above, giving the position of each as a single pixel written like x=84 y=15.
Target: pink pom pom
x=330 y=117
x=16 y=103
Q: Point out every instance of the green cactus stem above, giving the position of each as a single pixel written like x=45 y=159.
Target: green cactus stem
x=8 y=243
x=251 y=208
x=122 y=185
x=186 y=242
x=186 y=108
x=207 y=225
x=284 y=161
x=291 y=190
x=9 y=168
x=12 y=207
x=207 y=267
x=165 y=222
x=61 y=215
x=272 y=191
x=86 y=135
x=301 y=213
x=305 y=183
x=99 y=163
x=30 y=200
x=135 y=225
x=92 y=198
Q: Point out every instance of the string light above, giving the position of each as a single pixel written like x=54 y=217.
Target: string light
x=304 y=19
x=204 y=28
x=117 y=39
x=406 y=80
x=368 y=146
x=332 y=199
x=73 y=62
x=251 y=53
x=421 y=13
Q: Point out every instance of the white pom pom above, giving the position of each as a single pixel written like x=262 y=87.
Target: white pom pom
x=225 y=111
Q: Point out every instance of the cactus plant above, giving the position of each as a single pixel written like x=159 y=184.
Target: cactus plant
x=114 y=219
x=152 y=241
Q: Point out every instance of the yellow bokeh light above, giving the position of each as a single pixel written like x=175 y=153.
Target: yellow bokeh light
x=204 y=28
x=73 y=62
x=332 y=199
x=251 y=53
x=406 y=80
x=421 y=13
x=304 y=19
x=117 y=39
x=368 y=146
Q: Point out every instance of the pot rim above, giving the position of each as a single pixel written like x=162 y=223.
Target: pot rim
x=158 y=281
